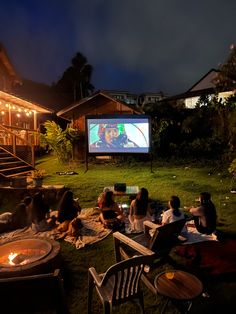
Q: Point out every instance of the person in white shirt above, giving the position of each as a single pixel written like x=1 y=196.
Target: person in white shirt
x=174 y=213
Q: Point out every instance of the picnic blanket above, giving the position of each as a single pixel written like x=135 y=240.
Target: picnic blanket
x=193 y=236
x=91 y=232
x=210 y=257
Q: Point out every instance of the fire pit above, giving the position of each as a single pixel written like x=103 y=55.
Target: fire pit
x=28 y=256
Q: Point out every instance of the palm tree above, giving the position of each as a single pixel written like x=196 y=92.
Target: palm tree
x=75 y=81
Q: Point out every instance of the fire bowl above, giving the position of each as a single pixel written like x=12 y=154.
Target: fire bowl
x=28 y=256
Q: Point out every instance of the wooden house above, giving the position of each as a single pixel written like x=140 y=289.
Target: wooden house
x=19 y=123
x=97 y=104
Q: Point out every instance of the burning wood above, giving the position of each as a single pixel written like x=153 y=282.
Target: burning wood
x=17 y=259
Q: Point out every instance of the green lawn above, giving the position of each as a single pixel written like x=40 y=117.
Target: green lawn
x=184 y=180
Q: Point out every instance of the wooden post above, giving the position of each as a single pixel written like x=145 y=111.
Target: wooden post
x=35 y=127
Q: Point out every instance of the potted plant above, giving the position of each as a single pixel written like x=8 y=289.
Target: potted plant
x=37 y=175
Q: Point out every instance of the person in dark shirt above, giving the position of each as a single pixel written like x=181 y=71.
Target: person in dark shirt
x=111 y=215
x=204 y=216
x=139 y=211
x=68 y=208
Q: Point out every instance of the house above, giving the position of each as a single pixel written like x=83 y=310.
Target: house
x=97 y=104
x=19 y=122
x=204 y=86
x=135 y=99
x=123 y=96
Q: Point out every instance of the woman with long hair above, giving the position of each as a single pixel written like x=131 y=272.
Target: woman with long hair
x=139 y=210
x=38 y=212
x=204 y=216
x=111 y=215
x=68 y=208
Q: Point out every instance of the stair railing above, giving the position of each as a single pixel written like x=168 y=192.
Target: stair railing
x=10 y=141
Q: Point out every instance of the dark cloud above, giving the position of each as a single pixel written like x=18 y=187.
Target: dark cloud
x=135 y=45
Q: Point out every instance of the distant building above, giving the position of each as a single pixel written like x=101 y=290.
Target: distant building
x=135 y=99
x=204 y=86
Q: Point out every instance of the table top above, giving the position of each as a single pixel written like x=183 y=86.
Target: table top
x=180 y=285
x=130 y=190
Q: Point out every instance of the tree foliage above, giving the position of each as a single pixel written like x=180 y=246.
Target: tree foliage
x=75 y=81
x=57 y=140
x=226 y=78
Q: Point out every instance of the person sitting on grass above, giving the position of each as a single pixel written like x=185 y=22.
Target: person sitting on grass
x=139 y=211
x=16 y=220
x=101 y=197
x=39 y=213
x=111 y=216
x=204 y=216
x=68 y=210
x=174 y=213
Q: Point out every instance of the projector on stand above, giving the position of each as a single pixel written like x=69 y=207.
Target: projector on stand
x=120 y=187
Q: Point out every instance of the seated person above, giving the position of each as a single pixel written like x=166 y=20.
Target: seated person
x=27 y=201
x=16 y=220
x=39 y=212
x=174 y=213
x=68 y=209
x=139 y=211
x=101 y=198
x=111 y=215
x=204 y=216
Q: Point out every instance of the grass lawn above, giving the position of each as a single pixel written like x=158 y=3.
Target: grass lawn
x=184 y=180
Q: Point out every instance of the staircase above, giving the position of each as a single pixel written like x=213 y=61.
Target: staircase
x=12 y=166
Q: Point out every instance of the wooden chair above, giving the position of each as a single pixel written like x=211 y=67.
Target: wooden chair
x=33 y=294
x=119 y=284
x=157 y=239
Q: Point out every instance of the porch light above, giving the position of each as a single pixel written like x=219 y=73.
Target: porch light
x=2 y=112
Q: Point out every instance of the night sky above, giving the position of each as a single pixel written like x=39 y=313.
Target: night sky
x=134 y=45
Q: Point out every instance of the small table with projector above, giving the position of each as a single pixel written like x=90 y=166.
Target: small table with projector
x=178 y=286
x=129 y=191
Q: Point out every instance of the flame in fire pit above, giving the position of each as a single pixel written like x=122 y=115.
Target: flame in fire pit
x=11 y=257
x=22 y=252
x=18 y=259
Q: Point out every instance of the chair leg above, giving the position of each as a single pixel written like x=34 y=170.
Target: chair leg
x=141 y=303
x=90 y=293
x=107 y=308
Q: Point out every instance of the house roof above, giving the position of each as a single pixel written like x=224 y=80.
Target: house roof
x=85 y=105
x=12 y=99
x=206 y=81
x=204 y=86
x=41 y=93
x=8 y=65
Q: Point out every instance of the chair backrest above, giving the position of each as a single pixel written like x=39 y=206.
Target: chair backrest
x=124 y=277
x=33 y=293
x=166 y=236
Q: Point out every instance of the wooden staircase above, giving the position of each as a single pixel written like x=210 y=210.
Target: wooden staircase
x=12 y=166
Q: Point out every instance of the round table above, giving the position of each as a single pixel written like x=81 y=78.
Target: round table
x=178 y=285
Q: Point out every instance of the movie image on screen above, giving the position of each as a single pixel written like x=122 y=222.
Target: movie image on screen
x=119 y=134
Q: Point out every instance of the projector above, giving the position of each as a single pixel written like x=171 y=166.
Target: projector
x=120 y=187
